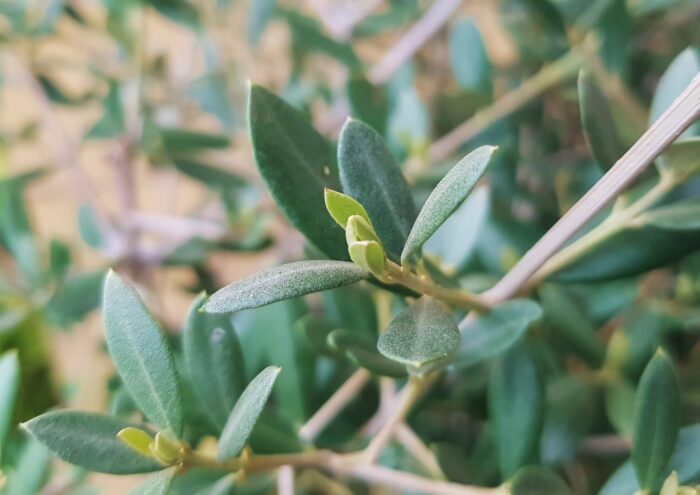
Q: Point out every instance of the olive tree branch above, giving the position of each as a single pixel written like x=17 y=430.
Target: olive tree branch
x=679 y=116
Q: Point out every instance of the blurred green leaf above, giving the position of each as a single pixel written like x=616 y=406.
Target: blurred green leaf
x=296 y=163
x=141 y=355
x=215 y=361
x=90 y=441
x=468 y=57
x=657 y=419
x=307 y=37
x=31 y=470
x=423 y=333
x=494 y=332
x=214 y=177
x=89 y=227
x=361 y=350
x=259 y=15
x=681 y=215
x=516 y=405
x=177 y=141
x=211 y=92
x=371 y=176
x=156 y=484
x=536 y=480
x=368 y=103
x=619 y=405
x=284 y=282
x=179 y=11
x=9 y=386
x=245 y=413
x=681 y=159
x=75 y=298
x=450 y=192
x=111 y=124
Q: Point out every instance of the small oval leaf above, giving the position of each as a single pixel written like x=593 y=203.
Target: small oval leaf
x=284 y=282
x=657 y=416
x=423 y=333
x=450 y=192
x=245 y=413
x=362 y=351
x=141 y=355
x=341 y=207
x=90 y=441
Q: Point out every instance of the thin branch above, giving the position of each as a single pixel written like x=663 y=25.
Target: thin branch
x=178 y=228
x=679 y=116
x=285 y=480
x=434 y=18
x=405 y=435
x=336 y=403
x=565 y=68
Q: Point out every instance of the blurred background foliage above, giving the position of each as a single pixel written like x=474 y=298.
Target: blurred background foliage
x=123 y=143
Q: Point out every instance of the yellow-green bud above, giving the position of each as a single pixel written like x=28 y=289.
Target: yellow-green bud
x=369 y=255
x=137 y=440
x=342 y=207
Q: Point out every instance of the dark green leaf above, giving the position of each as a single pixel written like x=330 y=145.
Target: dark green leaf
x=89 y=227
x=360 y=349
x=371 y=176
x=210 y=176
x=296 y=163
x=111 y=124
x=619 y=405
x=59 y=258
x=9 y=385
x=682 y=215
x=450 y=192
x=141 y=355
x=368 y=103
x=308 y=37
x=180 y=11
x=75 y=298
x=423 y=333
x=536 y=480
x=656 y=425
x=182 y=140
x=90 y=441
x=284 y=282
x=496 y=331
x=215 y=361
x=681 y=159
x=468 y=57
x=516 y=404
x=156 y=484
x=599 y=127
x=245 y=413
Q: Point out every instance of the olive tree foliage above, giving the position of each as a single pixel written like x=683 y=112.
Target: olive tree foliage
x=498 y=288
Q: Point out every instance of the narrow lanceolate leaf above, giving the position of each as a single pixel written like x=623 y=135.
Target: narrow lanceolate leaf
x=492 y=333
x=245 y=413
x=89 y=441
x=657 y=416
x=141 y=355
x=683 y=215
x=9 y=384
x=284 y=282
x=450 y=192
x=536 y=480
x=371 y=176
x=598 y=124
x=516 y=404
x=341 y=207
x=423 y=333
x=297 y=166
x=156 y=484
x=215 y=361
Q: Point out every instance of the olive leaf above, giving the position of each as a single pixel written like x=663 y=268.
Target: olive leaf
x=156 y=484
x=657 y=418
x=450 y=192
x=90 y=441
x=421 y=334
x=494 y=332
x=297 y=166
x=284 y=282
x=516 y=404
x=682 y=215
x=177 y=140
x=468 y=57
x=9 y=385
x=141 y=355
x=245 y=413
x=362 y=350
x=369 y=174
x=536 y=480
x=342 y=207
x=681 y=159
x=215 y=360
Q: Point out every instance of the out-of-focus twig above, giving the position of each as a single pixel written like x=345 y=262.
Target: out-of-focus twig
x=341 y=19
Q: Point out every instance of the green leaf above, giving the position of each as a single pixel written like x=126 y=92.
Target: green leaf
x=619 y=406
x=111 y=124
x=259 y=15
x=30 y=470
x=536 y=480
x=421 y=334
x=682 y=215
x=215 y=360
x=284 y=282
x=90 y=441
x=297 y=166
x=371 y=176
x=681 y=159
x=9 y=386
x=672 y=83
x=156 y=484
x=516 y=405
x=182 y=140
x=450 y=192
x=657 y=417
x=141 y=355
x=368 y=103
x=362 y=350
x=245 y=413
x=342 y=207
x=494 y=332
x=75 y=298
x=599 y=127
x=468 y=57
x=210 y=176
x=368 y=255
x=89 y=227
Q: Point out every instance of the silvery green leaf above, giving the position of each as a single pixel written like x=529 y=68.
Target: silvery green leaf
x=369 y=174
x=284 y=282
x=423 y=333
x=156 y=484
x=682 y=215
x=30 y=470
x=362 y=350
x=468 y=57
x=245 y=413
x=450 y=192
x=9 y=385
x=141 y=355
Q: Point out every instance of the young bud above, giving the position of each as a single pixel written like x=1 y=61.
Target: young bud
x=670 y=486
x=618 y=350
x=369 y=255
x=359 y=229
x=166 y=450
x=137 y=440
x=342 y=207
